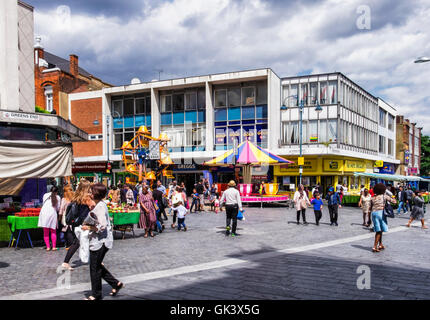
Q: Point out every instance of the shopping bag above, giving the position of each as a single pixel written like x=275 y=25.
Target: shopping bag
x=240 y=215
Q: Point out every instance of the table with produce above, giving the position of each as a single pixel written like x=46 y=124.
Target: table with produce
x=124 y=217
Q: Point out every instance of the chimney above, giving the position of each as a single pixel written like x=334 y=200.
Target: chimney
x=74 y=65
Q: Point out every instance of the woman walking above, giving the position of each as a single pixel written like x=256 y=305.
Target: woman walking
x=66 y=229
x=377 y=205
x=148 y=218
x=80 y=204
x=177 y=200
x=48 y=218
x=418 y=210
x=301 y=202
x=101 y=240
x=364 y=204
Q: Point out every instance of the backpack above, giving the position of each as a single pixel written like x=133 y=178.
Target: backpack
x=72 y=214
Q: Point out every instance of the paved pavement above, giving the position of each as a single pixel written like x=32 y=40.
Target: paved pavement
x=273 y=258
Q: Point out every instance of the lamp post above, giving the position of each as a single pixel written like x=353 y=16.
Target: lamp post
x=422 y=60
x=318 y=109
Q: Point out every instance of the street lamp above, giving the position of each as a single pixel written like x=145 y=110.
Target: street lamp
x=422 y=60
x=318 y=109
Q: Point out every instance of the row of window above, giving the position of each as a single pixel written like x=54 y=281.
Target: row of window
x=313 y=131
x=357 y=102
x=385 y=147
x=175 y=101
x=358 y=136
x=130 y=105
x=383 y=119
x=309 y=94
x=241 y=96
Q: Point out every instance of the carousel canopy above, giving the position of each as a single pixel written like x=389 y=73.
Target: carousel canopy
x=247 y=154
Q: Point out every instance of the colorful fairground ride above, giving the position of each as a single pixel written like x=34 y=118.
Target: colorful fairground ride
x=137 y=158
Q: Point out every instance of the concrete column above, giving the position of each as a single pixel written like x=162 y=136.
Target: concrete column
x=155 y=113
x=209 y=118
x=106 y=115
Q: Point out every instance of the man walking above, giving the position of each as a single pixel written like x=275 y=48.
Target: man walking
x=333 y=199
x=201 y=191
x=233 y=204
x=401 y=196
x=409 y=196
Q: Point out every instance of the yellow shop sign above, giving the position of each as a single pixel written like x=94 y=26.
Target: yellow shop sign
x=309 y=165
x=354 y=165
x=333 y=165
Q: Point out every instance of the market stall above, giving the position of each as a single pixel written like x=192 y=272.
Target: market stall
x=123 y=218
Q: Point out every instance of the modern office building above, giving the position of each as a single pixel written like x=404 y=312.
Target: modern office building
x=338 y=140
x=202 y=116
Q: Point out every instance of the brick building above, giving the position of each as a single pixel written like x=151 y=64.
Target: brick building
x=408 y=138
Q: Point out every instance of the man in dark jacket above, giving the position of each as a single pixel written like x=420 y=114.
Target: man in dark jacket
x=123 y=193
x=157 y=195
x=334 y=204
x=402 y=197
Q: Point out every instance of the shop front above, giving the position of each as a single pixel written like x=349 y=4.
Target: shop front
x=93 y=172
x=325 y=171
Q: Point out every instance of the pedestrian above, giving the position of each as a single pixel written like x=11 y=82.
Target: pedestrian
x=318 y=206
x=65 y=229
x=100 y=241
x=334 y=204
x=213 y=191
x=115 y=195
x=129 y=195
x=362 y=189
x=177 y=199
x=79 y=207
x=182 y=212
x=195 y=201
x=148 y=217
x=201 y=190
x=48 y=218
x=401 y=197
x=409 y=195
x=418 y=210
x=184 y=189
x=123 y=193
x=216 y=204
x=233 y=204
x=364 y=204
x=301 y=202
x=161 y=187
x=377 y=205
x=157 y=195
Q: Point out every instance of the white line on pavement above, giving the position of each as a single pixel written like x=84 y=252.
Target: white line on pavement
x=56 y=292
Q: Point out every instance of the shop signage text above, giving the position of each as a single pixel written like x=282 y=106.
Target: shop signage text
x=309 y=165
x=351 y=165
x=21 y=116
x=333 y=165
x=89 y=167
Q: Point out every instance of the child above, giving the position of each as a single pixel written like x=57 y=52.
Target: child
x=196 y=201
x=182 y=212
x=318 y=205
x=216 y=204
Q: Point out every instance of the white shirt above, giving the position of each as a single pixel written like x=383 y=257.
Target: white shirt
x=231 y=196
x=182 y=211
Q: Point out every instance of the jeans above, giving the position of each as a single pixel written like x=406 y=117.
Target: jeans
x=73 y=247
x=175 y=212
x=181 y=222
x=99 y=272
x=402 y=205
x=196 y=203
x=318 y=215
x=332 y=209
x=231 y=212
x=303 y=211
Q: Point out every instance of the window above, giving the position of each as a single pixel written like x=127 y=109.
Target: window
x=322 y=132
x=248 y=96
x=220 y=98
x=262 y=93
x=118 y=138
x=293 y=133
x=293 y=99
x=166 y=104
x=390 y=122
x=191 y=101
x=323 y=92
x=313 y=95
x=382 y=116
x=140 y=106
x=313 y=131
x=333 y=91
x=117 y=108
x=49 y=101
x=381 y=144
x=304 y=93
x=178 y=102
x=128 y=107
x=332 y=130
x=390 y=147
x=234 y=97
x=201 y=98
x=95 y=137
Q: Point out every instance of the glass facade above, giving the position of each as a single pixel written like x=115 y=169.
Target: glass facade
x=129 y=113
x=240 y=113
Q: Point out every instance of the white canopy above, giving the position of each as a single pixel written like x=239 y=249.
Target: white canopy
x=390 y=177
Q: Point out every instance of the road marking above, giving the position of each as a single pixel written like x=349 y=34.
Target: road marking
x=54 y=292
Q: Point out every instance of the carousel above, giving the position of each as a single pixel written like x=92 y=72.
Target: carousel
x=248 y=156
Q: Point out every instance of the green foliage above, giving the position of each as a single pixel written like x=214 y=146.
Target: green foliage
x=40 y=110
x=425 y=156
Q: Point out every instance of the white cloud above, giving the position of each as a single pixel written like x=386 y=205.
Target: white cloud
x=189 y=37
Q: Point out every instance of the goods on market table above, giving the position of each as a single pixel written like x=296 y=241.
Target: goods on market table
x=28 y=212
x=121 y=208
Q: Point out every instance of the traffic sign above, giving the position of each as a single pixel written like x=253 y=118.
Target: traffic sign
x=154 y=150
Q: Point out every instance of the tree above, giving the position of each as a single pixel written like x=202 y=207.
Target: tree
x=425 y=156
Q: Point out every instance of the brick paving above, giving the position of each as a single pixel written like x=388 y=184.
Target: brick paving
x=402 y=271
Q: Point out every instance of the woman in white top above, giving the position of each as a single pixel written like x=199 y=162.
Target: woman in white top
x=301 y=202
x=48 y=218
x=177 y=200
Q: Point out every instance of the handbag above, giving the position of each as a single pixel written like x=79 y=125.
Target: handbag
x=388 y=210
x=240 y=215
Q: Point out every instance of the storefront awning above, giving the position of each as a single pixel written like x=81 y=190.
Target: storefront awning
x=390 y=177
x=33 y=159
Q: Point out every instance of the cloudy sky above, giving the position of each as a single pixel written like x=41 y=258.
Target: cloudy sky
x=374 y=45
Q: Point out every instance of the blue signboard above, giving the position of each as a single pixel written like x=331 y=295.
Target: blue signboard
x=387 y=169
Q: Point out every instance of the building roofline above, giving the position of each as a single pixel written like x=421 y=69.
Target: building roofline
x=379 y=98
x=195 y=76
x=327 y=74
x=25 y=5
